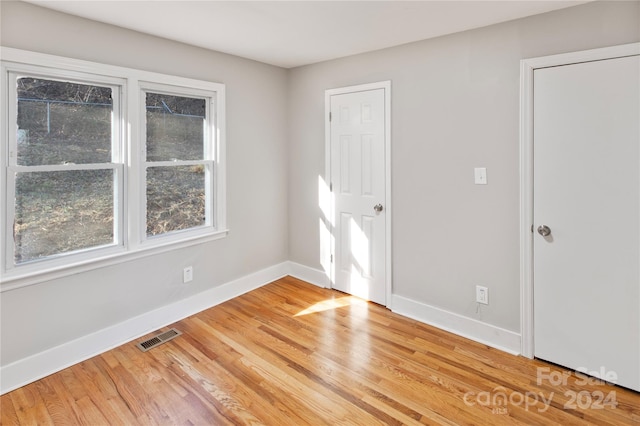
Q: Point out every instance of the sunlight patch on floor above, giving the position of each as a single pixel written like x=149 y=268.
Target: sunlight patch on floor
x=329 y=304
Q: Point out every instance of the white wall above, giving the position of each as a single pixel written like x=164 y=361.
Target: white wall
x=455 y=102
x=49 y=314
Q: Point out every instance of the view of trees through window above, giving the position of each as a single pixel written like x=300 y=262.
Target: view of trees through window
x=65 y=193
x=176 y=191
x=58 y=211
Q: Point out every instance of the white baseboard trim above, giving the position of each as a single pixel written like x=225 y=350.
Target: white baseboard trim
x=470 y=328
x=308 y=274
x=35 y=367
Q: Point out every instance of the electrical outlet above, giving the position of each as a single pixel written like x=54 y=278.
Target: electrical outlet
x=480 y=175
x=482 y=295
x=187 y=274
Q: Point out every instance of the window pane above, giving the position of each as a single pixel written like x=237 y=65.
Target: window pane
x=175 y=127
x=60 y=212
x=62 y=122
x=175 y=198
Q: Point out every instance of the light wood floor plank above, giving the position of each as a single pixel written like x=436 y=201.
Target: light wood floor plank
x=291 y=353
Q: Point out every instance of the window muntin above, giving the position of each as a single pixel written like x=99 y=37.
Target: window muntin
x=179 y=164
x=64 y=177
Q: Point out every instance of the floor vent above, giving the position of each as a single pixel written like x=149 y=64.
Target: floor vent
x=158 y=339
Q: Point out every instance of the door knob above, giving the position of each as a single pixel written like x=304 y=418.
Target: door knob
x=544 y=230
x=378 y=208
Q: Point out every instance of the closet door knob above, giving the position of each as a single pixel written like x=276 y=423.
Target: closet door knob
x=544 y=230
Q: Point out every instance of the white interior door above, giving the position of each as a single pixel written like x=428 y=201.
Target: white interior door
x=587 y=192
x=358 y=181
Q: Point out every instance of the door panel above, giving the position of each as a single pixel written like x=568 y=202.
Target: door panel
x=587 y=191
x=358 y=178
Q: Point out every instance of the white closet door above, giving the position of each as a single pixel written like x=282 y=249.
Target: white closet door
x=587 y=193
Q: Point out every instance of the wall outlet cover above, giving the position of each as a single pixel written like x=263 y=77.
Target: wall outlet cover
x=482 y=295
x=187 y=274
x=480 y=175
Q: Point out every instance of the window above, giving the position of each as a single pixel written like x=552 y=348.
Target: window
x=103 y=162
x=178 y=161
x=65 y=166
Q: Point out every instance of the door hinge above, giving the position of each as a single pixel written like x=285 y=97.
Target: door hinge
x=532 y=228
x=331 y=258
x=330 y=186
x=329 y=115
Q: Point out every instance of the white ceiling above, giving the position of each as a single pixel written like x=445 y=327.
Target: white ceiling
x=293 y=33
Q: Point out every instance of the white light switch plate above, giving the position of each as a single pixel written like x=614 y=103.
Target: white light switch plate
x=480 y=174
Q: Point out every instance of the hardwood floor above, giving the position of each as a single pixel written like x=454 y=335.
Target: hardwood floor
x=292 y=353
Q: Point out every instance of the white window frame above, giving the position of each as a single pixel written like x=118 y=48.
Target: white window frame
x=131 y=240
x=208 y=160
x=116 y=164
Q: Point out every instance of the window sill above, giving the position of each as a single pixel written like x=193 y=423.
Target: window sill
x=19 y=280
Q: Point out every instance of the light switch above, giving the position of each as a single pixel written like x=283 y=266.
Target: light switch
x=480 y=175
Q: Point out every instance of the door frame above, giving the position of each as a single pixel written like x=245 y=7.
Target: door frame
x=386 y=86
x=527 y=68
